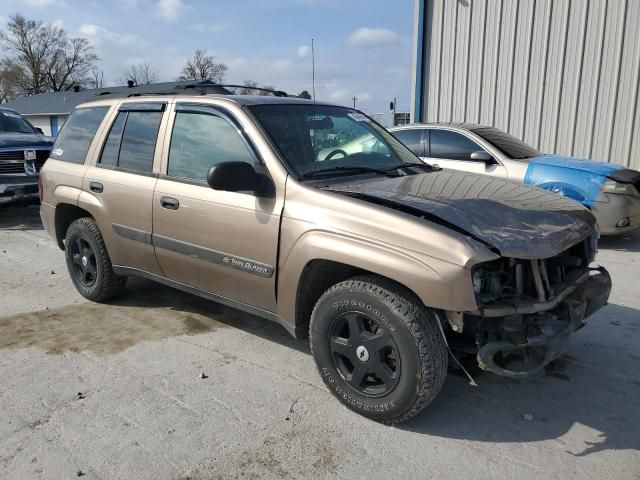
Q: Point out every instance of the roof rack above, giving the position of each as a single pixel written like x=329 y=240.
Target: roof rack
x=204 y=87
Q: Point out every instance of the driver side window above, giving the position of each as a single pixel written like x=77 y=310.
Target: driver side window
x=201 y=140
x=451 y=145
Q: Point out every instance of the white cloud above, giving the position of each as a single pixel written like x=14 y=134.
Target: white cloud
x=170 y=9
x=38 y=3
x=99 y=35
x=210 y=27
x=366 y=37
x=304 y=51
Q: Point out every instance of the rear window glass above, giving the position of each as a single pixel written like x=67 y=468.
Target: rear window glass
x=508 y=144
x=77 y=133
x=131 y=142
x=139 y=141
x=112 y=146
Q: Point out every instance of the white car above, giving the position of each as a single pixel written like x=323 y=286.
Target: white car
x=611 y=191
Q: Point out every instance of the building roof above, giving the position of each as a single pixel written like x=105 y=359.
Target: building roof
x=63 y=103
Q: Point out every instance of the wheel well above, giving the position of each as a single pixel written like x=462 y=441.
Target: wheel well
x=317 y=277
x=65 y=214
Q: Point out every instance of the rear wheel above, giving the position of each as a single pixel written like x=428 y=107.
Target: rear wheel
x=378 y=349
x=88 y=262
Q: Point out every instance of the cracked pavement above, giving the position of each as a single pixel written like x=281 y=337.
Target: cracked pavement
x=115 y=391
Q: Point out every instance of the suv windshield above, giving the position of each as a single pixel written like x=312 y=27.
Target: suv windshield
x=321 y=138
x=508 y=144
x=12 y=122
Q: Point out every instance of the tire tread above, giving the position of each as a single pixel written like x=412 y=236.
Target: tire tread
x=421 y=323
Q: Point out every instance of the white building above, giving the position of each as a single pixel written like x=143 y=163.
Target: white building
x=562 y=75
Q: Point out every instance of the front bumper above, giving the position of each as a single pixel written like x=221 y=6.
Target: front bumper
x=16 y=188
x=556 y=326
x=618 y=207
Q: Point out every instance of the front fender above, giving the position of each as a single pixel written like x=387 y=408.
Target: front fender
x=437 y=283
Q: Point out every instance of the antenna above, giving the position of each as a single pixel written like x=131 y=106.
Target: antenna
x=313 y=93
x=313 y=70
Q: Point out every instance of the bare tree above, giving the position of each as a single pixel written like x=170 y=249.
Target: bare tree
x=251 y=88
x=142 y=73
x=8 y=80
x=266 y=87
x=97 y=78
x=71 y=64
x=202 y=67
x=44 y=57
x=248 y=89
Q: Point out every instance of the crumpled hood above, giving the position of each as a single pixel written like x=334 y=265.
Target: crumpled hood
x=520 y=221
x=12 y=139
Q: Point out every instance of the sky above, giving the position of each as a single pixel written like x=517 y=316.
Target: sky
x=363 y=48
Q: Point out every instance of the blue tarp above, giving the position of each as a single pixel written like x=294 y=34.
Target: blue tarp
x=577 y=179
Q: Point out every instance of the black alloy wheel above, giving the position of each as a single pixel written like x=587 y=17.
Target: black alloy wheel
x=365 y=354
x=84 y=261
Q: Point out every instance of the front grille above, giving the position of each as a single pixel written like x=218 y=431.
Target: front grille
x=13 y=155
x=9 y=168
x=15 y=161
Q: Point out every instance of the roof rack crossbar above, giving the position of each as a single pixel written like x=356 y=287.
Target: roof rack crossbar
x=188 y=89
x=277 y=93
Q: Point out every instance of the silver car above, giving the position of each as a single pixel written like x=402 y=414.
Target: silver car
x=611 y=191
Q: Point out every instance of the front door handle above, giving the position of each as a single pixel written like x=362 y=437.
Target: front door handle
x=169 y=203
x=96 y=187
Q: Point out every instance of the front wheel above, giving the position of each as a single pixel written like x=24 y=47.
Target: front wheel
x=378 y=349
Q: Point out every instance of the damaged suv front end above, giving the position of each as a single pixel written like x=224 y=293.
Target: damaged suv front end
x=540 y=286
x=529 y=308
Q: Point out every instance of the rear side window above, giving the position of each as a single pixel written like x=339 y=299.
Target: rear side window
x=411 y=138
x=201 y=140
x=77 y=133
x=131 y=142
x=451 y=145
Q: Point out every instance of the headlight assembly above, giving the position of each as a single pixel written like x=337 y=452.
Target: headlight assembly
x=611 y=186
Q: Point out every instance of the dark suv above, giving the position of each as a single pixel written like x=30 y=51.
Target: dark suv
x=23 y=151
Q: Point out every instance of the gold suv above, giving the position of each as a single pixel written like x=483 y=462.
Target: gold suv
x=389 y=264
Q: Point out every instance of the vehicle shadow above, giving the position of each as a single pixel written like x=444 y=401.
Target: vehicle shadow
x=20 y=217
x=595 y=385
x=629 y=242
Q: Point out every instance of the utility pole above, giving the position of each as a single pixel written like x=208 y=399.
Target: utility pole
x=354 y=101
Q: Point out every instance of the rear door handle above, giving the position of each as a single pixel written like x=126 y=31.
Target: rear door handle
x=169 y=203
x=96 y=187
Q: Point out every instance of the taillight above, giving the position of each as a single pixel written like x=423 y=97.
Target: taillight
x=40 y=187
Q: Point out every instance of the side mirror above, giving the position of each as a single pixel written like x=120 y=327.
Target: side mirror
x=238 y=177
x=482 y=156
x=39 y=130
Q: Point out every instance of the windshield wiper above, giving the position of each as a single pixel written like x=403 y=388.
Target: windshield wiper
x=353 y=169
x=426 y=166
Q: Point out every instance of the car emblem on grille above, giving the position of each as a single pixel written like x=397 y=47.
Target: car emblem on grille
x=30 y=167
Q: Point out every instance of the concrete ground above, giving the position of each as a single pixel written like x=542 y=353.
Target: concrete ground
x=114 y=391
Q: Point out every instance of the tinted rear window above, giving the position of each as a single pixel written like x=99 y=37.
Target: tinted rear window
x=508 y=144
x=139 y=141
x=77 y=133
x=131 y=142
x=411 y=138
